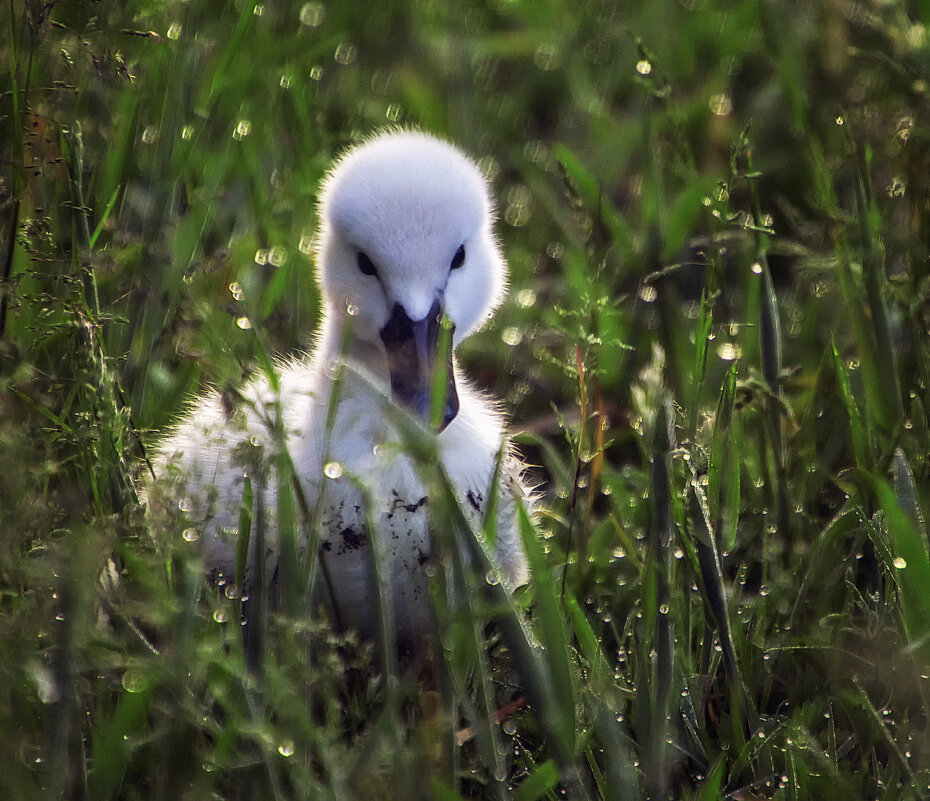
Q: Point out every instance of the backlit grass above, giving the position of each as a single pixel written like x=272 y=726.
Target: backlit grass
x=715 y=350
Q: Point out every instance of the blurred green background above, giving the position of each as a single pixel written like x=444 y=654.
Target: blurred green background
x=715 y=348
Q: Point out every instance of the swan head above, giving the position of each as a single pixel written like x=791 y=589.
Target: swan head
x=406 y=250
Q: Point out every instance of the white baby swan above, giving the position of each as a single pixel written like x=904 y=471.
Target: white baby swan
x=405 y=240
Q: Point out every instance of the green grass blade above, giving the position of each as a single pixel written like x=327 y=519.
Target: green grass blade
x=909 y=568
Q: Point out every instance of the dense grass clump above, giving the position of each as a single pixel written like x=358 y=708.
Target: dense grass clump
x=716 y=349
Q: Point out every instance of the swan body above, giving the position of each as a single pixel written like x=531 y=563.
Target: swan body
x=405 y=254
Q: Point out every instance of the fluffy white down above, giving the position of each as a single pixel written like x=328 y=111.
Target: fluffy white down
x=409 y=202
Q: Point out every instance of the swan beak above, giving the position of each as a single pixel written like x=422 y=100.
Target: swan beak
x=414 y=348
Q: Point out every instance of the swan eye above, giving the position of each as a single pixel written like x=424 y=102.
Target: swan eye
x=459 y=258
x=365 y=264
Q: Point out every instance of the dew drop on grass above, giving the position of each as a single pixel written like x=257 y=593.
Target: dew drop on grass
x=286 y=748
x=46 y=686
x=174 y=30
x=648 y=293
x=900 y=563
x=235 y=289
x=345 y=54
x=277 y=256
x=191 y=535
x=244 y=323
x=133 y=681
x=511 y=336
x=312 y=14
x=220 y=616
x=729 y=351
x=643 y=67
x=332 y=470
x=185 y=504
x=243 y=129
x=721 y=105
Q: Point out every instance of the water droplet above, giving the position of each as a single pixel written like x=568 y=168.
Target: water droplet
x=174 y=30
x=286 y=748
x=546 y=58
x=149 y=134
x=244 y=323
x=277 y=256
x=332 y=470
x=312 y=14
x=243 y=129
x=316 y=73
x=516 y=215
x=897 y=187
x=648 y=293
x=663 y=609
x=394 y=112
x=235 y=289
x=728 y=351
x=720 y=105
x=900 y=563
x=46 y=685
x=346 y=53
x=643 y=67
x=512 y=336
x=351 y=309
x=526 y=298
x=305 y=245
x=220 y=616
x=187 y=131
x=191 y=535
x=493 y=577
x=185 y=504
x=757 y=268
x=134 y=681
x=839 y=120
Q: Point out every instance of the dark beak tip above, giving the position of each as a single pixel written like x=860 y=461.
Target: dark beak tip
x=412 y=348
